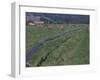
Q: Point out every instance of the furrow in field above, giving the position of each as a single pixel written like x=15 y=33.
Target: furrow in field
x=40 y=43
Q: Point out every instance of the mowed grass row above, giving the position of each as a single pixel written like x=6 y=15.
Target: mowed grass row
x=73 y=51
x=63 y=50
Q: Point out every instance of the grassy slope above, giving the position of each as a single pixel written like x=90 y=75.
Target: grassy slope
x=34 y=33
x=74 y=50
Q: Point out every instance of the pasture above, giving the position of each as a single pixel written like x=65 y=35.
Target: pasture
x=61 y=44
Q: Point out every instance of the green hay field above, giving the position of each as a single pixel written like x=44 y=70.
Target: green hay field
x=71 y=48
